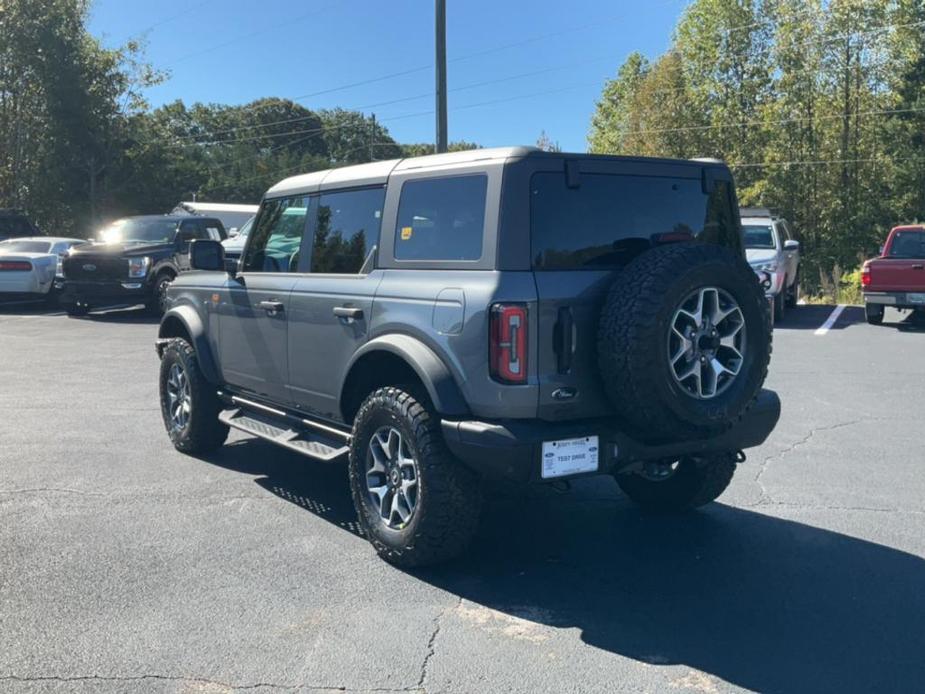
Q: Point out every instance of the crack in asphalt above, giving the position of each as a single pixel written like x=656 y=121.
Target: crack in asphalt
x=431 y=645
x=199 y=680
x=835 y=507
x=765 y=495
x=53 y=490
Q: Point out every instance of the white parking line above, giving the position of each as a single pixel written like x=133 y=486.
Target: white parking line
x=830 y=321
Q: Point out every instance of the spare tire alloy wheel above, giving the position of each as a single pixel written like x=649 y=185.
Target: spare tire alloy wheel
x=391 y=477
x=684 y=342
x=706 y=344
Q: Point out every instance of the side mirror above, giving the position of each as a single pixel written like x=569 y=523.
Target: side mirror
x=232 y=232
x=791 y=245
x=207 y=255
x=231 y=266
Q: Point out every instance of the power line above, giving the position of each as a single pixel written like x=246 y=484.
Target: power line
x=819 y=162
x=743 y=124
x=251 y=34
x=416 y=97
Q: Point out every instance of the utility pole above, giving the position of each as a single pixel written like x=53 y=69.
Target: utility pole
x=372 y=137
x=440 y=62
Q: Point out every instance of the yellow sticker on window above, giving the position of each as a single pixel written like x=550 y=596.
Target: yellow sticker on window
x=406 y=233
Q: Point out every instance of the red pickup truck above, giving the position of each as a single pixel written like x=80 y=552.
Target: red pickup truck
x=897 y=277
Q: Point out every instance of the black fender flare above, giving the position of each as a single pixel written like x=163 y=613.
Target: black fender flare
x=442 y=388
x=191 y=324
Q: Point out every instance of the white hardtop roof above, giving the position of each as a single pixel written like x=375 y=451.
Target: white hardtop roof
x=218 y=207
x=378 y=172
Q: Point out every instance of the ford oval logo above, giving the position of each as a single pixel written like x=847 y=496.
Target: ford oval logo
x=89 y=267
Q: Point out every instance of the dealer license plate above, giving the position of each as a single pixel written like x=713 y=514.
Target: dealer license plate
x=570 y=456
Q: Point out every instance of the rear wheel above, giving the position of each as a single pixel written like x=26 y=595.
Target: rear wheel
x=416 y=503
x=679 y=485
x=76 y=310
x=874 y=313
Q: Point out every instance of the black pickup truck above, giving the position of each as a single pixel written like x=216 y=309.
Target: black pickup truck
x=134 y=261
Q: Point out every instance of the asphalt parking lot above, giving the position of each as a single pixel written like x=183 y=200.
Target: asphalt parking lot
x=126 y=566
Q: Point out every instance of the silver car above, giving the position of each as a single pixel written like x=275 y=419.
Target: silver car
x=771 y=248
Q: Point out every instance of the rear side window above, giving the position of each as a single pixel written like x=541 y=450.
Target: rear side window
x=609 y=219
x=348 y=230
x=441 y=218
x=908 y=244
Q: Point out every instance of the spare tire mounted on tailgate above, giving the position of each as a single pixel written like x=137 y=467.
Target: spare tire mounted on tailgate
x=684 y=341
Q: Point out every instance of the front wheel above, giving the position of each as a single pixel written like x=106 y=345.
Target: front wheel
x=874 y=313
x=158 y=303
x=780 y=306
x=189 y=403
x=793 y=295
x=679 y=485
x=416 y=503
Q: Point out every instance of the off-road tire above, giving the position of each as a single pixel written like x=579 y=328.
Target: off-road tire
x=449 y=498
x=633 y=333
x=76 y=310
x=874 y=313
x=204 y=432
x=157 y=304
x=694 y=484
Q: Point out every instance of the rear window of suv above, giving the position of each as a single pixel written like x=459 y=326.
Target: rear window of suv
x=608 y=219
x=441 y=218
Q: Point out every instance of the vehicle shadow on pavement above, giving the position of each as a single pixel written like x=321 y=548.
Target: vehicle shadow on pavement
x=758 y=601
x=913 y=322
x=813 y=316
x=122 y=315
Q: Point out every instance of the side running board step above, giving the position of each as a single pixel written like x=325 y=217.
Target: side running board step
x=308 y=443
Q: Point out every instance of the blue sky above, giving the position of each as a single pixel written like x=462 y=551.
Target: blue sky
x=556 y=54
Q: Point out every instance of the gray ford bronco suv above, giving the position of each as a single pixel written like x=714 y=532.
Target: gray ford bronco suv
x=499 y=313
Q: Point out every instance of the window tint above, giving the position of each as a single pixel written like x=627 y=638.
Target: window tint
x=608 y=219
x=758 y=236
x=25 y=247
x=441 y=219
x=908 y=244
x=348 y=229
x=277 y=236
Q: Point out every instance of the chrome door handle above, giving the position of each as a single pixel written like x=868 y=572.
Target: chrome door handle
x=348 y=312
x=272 y=307
x=918 y=267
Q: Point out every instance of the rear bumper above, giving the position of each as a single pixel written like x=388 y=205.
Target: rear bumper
x=512 y=449
x=111 y=292
x=897 y=299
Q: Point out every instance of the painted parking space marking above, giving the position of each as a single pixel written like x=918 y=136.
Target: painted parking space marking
x=830 y=321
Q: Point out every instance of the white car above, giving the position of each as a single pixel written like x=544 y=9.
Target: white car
x=29 y=266
x=234 y=244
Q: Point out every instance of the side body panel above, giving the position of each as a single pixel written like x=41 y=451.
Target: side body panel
x=321 y=343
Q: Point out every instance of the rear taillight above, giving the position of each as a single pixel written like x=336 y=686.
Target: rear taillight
x=15 y=265
x=508 y=343
x=865 y=275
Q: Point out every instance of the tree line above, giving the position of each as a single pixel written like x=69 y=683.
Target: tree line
x=79 y=144
x=819 y=107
